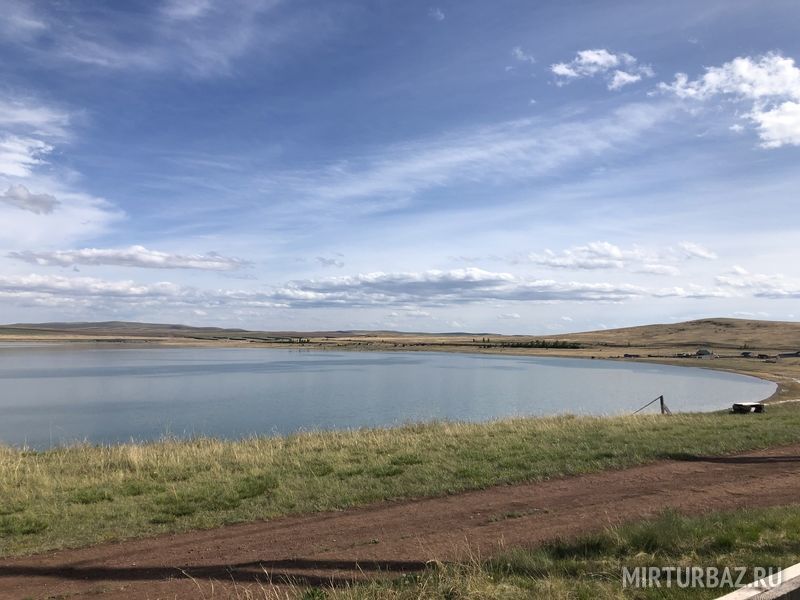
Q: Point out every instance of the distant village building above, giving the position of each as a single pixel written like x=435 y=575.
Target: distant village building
x=704 y=353
x=789 y=354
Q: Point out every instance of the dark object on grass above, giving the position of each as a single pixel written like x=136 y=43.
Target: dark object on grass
x=743 y=408
x=664 y=408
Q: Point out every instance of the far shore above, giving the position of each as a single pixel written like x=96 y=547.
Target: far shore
x=785 y=372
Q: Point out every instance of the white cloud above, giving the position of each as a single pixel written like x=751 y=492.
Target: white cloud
x=691 y=291
x=658 y=269
x=693 y=250
x=605 y=255
x=83 y=286
x=411 y=313
x=441 y=288
x=77 y=216
x=595 y=255
x=19 y=155
x=29 y=130
x=620 y=79
x=408 y=294
x=33 y=117
x=779 y=125
x=770 y=84
x=760 y=285
x=436 y=14
x=519 y=54
x=134 y=256
x=21 y=197
x=619 y=69
x=765 y=77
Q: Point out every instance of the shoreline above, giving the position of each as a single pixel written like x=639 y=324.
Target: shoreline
x=81 y=495
x=787 y=384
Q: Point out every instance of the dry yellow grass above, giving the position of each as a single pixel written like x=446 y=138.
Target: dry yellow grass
x=86 y=494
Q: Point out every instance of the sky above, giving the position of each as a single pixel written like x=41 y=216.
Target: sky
x=509 y=166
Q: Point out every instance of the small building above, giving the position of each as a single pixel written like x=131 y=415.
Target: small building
x=747 y=355
x=789 y=354
x=704 y=353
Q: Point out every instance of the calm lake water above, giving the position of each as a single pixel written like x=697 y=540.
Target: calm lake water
x=55 y=394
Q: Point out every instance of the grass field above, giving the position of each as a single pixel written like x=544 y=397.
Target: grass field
x=590 y=568
x=81 y=495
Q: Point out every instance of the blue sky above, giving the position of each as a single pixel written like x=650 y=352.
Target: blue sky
x=502 y=166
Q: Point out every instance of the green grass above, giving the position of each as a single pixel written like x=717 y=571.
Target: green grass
x=590 y=568
x=85 y=494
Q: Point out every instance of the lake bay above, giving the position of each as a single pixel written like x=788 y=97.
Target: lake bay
x=58 y=394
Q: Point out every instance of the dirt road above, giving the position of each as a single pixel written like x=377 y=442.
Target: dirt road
x=332 y=548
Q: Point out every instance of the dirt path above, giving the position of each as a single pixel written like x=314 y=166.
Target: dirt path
x=337 y=547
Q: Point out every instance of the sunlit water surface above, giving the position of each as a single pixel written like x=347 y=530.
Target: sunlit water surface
x=57 y=394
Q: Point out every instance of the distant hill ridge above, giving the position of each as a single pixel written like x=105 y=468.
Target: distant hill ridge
x=713 y=332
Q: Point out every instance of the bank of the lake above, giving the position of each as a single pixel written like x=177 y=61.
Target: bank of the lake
x=81 y=495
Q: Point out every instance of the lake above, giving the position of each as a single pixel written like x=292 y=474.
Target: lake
x=57 y=394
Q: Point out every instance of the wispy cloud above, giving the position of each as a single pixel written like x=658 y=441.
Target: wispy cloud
x=618 y=69
x=183 y=10
x=691 y=291
x=30 y=132
x=21 y=197
x=761 y=285
x=85 y=287
x=20 y=21
x=769 y=84
x=605 y=255
x=520 y=55
x=198 y=37
x=595 y=255
x=511 y=151
x=19 y=155
x=32 y=117
x=326 y=261
x=436 y=13
x=657 y=269
x=441 y=288
x=694 y=250
x=78 y=216
x=134 y=256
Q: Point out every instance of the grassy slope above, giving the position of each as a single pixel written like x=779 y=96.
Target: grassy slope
x=590 y=568
x=717 y=332
x=86 y=494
